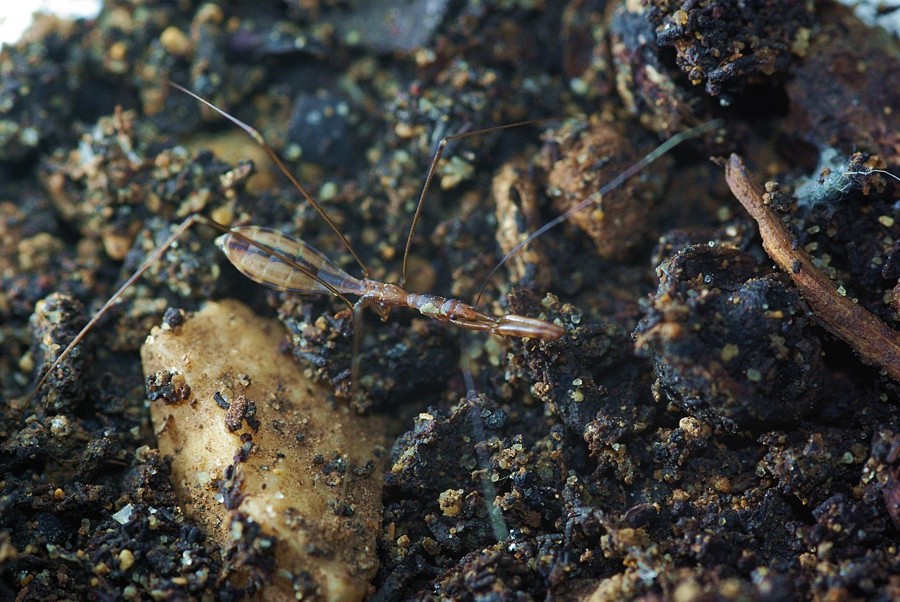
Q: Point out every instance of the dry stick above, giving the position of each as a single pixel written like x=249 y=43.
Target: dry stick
x=874 y=341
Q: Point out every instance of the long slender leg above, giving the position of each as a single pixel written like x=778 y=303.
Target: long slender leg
x=357 y=344
x=155 y=256
x=430 y=176
x=489 y=490
x=646 y=160
x=184 y=226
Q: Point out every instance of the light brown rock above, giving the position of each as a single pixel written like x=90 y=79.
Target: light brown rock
x=312 y=478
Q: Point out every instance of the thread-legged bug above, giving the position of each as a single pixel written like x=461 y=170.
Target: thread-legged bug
x=285 y=263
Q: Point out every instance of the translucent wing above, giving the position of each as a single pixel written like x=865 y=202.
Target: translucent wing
x=249 y=249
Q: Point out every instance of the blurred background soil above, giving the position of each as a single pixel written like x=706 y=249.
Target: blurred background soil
x=697 y=434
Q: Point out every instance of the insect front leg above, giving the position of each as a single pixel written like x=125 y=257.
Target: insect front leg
x=151 y=260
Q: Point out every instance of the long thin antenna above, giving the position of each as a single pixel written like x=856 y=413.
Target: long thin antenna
x=258 y=138
x=620 y=179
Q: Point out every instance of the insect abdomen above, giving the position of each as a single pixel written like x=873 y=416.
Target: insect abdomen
x=250 y=249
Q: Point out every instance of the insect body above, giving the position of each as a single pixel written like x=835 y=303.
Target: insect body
x=285 y=263
x=310 y=271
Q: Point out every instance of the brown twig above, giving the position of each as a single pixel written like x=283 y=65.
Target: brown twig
x=873 y=340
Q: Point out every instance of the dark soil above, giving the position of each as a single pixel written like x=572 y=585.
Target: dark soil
x=698 y=433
